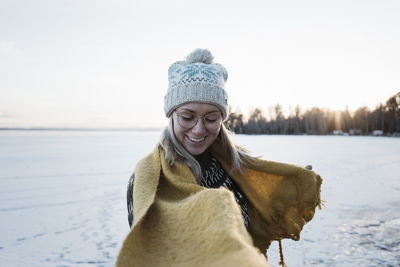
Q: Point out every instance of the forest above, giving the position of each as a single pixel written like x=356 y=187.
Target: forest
x=383 y=120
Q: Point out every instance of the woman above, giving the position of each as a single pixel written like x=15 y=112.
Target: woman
x=201 y=200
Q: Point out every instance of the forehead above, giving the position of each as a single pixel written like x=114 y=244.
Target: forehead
x=197 y=107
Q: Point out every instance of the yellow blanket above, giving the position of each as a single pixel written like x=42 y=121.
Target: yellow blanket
x=179 y=223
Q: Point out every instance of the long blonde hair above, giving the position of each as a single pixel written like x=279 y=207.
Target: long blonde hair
x=175 y=151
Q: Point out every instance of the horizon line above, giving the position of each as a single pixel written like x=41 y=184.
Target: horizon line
x=80 y=129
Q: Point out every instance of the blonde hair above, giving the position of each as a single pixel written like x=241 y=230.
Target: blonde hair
x=175 y=151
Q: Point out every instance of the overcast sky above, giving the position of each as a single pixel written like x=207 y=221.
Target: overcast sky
x=82 y=63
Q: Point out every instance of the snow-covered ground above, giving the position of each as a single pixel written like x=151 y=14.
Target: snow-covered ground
x=62 y=197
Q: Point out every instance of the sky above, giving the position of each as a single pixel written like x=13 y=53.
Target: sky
x=97 y=63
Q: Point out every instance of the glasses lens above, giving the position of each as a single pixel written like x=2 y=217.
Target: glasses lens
x=213 y=121
x=186 y=121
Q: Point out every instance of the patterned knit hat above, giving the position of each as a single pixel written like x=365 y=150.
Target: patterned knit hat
x=197 y=79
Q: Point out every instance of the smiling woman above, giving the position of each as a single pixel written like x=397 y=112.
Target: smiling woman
x=200 y=200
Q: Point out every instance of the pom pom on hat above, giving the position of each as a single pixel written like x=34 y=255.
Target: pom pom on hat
x=200 y=56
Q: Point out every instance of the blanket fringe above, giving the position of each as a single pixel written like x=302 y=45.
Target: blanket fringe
x=322 y=203
x=282 y=262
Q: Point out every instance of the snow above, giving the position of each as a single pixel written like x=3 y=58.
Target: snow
x=63 y=196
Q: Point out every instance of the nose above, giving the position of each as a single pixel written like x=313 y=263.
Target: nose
x=199 y=128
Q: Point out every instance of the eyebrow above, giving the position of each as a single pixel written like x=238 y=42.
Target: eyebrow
x=192 y=111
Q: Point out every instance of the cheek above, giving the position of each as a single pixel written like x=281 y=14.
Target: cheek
x=214 y=135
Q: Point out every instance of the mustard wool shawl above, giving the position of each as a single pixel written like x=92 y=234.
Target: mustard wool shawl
x=180 y=223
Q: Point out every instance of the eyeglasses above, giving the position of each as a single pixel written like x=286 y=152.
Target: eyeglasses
x=187 y=120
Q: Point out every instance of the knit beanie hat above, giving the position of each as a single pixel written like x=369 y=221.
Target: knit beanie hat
x=196 y=79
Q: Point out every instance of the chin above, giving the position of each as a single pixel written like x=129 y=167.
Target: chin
x=195 y=151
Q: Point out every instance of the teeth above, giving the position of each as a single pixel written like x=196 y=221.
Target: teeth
x=198 y=140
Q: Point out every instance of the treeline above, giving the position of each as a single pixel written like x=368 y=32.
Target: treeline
x=384 y=120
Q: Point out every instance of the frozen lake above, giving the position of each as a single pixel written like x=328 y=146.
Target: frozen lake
x=62 y=196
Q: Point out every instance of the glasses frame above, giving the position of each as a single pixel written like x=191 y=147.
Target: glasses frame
x=202 y=118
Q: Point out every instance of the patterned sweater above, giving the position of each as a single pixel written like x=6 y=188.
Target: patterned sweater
x=214 y=176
